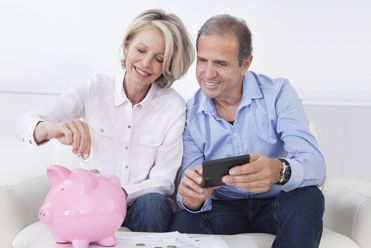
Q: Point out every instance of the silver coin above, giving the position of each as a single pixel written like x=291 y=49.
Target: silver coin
x=87 y=159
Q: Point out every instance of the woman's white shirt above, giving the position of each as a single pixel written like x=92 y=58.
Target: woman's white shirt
x=141 y=143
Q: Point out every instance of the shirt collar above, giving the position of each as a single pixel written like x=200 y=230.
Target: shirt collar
x=120 y=95
x=251 y=90
x=206 y=105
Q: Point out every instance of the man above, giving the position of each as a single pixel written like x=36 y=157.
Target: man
x=238 y=112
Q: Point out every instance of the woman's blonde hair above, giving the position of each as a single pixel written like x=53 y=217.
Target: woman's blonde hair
x=179 y=50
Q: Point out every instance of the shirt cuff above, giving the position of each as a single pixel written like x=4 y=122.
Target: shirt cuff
x=296 y=178
x=205 y=207
x=130 y=190
x=28 y=136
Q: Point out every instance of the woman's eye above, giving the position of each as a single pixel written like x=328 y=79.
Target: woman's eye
x=160 y=60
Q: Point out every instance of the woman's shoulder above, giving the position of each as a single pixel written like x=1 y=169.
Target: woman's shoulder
x=102 y=82
x=99 y=85
x=170 y=95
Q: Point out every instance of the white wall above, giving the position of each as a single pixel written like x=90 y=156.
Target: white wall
x=322 y=47
x=18 y=161
x=344 y=135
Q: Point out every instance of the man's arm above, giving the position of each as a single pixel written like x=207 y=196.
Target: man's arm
x=191 y=196
x=306 y=162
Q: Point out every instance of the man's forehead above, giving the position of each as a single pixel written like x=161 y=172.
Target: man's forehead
x=217 y=47
x=218 y=40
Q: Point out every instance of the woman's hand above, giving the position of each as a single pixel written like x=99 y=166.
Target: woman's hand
x=74 y=133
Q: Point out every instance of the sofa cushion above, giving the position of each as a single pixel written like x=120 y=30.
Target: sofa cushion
x=329 y=239
x=29 y=235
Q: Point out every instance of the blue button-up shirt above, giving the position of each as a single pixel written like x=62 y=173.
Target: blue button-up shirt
x=269 y=120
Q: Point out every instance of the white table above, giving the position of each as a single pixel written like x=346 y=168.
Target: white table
x=232 y=241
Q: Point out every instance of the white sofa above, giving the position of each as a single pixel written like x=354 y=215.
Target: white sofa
x=347 y=217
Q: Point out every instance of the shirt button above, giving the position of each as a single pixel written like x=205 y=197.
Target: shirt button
x=129 y=126
x=22 y=139
x=126 y=147
x=126 y=166
x=101 y=130
x=30 y=141
x=235 y=135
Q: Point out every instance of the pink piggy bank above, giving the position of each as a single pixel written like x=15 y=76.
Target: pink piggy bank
x=82 y=207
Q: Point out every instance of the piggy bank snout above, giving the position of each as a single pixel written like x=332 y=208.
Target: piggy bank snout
x=44 y=215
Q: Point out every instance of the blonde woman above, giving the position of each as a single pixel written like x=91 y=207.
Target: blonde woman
x=129 y=124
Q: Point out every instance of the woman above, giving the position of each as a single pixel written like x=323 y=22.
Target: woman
x=129 y=124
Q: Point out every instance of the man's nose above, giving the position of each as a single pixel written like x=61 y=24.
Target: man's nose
x=210 y=71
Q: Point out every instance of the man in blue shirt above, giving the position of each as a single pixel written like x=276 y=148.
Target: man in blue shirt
x=238 y=112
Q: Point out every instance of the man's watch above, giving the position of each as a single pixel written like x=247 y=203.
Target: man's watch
x=285 y=173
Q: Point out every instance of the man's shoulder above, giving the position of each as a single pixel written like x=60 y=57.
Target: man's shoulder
x=267 y=82
x=270 y=87
x=194 y=103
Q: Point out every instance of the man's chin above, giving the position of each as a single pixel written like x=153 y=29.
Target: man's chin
x=209 y=93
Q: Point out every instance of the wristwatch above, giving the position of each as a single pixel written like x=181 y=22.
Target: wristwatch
x=285 y=173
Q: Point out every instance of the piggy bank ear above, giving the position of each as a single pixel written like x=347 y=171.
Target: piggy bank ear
x=86 y=178
x=57 y=174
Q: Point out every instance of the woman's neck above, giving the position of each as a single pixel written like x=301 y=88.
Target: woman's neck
x=134 y=93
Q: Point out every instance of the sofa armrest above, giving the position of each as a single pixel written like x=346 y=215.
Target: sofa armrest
x=19 y=207
x=348 y=209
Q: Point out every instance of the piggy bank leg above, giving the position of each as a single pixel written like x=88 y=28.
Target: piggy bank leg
x=80 y=244
x=109 y=241
x=60 y=240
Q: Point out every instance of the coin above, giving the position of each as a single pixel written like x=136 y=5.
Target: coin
x=86 y=159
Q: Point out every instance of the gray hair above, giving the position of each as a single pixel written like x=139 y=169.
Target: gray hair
x=179 y=50
x=227 y=24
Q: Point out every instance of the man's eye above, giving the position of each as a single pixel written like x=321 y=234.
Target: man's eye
x=140 y=50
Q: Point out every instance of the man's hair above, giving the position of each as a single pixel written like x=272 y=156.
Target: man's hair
x=227 y=24
x=179 y=51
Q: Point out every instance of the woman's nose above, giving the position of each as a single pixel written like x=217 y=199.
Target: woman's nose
x=146 y=61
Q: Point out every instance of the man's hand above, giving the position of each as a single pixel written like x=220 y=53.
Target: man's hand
x=74 y=133
x=191 y=190
x=257 y=176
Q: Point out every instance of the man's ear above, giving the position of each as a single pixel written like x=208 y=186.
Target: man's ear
x=246 y=64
